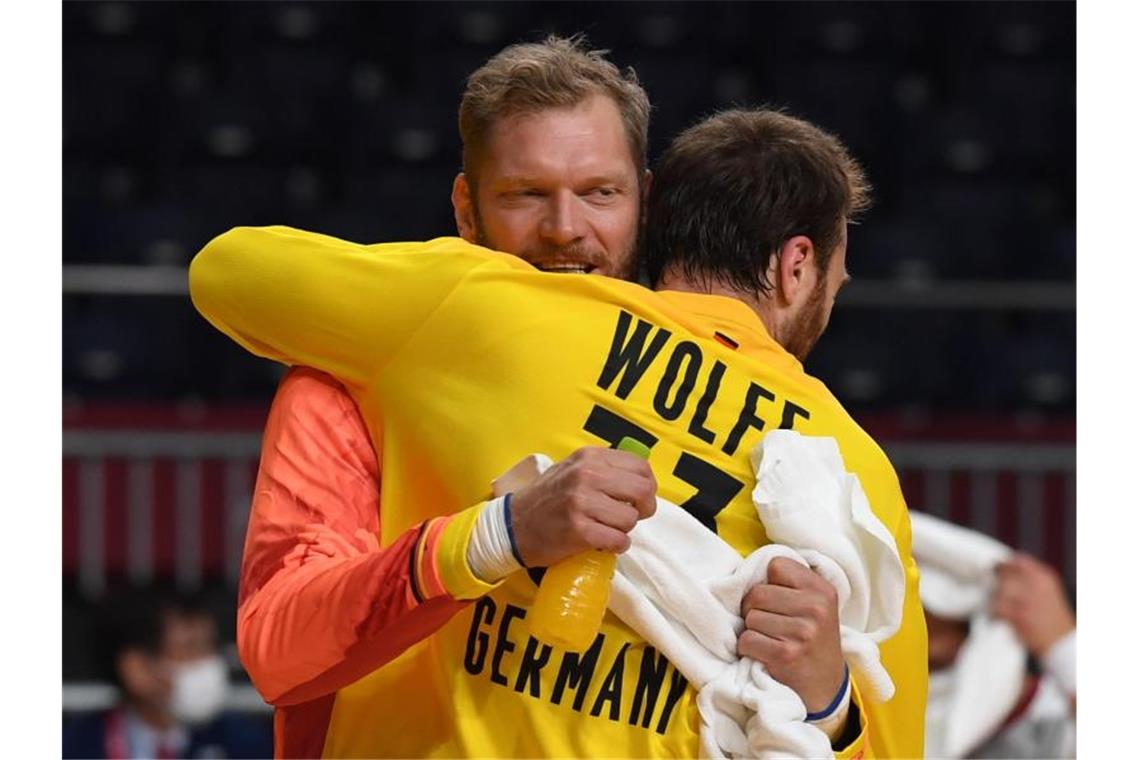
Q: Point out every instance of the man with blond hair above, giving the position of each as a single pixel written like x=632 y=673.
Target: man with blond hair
x=554 y=171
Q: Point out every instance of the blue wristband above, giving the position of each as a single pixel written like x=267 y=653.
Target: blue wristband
x=827 y=711
x=511 y=530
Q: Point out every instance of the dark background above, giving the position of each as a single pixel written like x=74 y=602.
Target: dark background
x=954 y=345
x=182 y=120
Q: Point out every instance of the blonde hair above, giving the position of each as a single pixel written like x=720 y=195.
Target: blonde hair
x=558 y=72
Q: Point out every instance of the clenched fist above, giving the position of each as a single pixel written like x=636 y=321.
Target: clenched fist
x=792 y=627
x=589 y=500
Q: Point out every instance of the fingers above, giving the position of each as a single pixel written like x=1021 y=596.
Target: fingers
x=781 y=600
x=590 y=499
x=1006 y=607
x=792 y=627
x=624 y=486
x=620 y=460
x=619 y=475
x=619 y=515
x=766 y=649
x=782 y=627
x=1026 y=568
x=783 y=571
x=605 y=538
x=792 y=590
x=1024 y=582
x=1012 y=570
x=1004 y=598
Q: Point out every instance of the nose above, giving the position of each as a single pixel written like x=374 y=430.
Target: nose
x=563 y=222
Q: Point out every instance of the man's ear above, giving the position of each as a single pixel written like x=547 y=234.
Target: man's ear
x=464 y=208
x=794 y=267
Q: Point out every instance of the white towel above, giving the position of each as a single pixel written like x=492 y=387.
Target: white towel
x=967 y=701
x=681 y=586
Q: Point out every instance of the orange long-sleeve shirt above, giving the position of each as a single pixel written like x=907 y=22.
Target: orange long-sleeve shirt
x=321 y=604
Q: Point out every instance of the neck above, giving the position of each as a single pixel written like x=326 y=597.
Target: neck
x=761 y=305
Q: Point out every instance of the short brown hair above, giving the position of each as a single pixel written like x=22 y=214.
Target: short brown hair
x=558 y=72
x=731 y=190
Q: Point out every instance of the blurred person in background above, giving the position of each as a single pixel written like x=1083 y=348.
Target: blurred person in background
x=554 y=171
x=161 y=651
x=1002 y=648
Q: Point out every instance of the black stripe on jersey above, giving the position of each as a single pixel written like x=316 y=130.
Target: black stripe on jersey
x=412 y=564
x=726 y=340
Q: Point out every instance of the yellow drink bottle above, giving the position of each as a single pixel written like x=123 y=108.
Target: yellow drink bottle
x=571 y=600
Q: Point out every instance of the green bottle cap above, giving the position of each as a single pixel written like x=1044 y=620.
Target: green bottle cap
x=633 y=446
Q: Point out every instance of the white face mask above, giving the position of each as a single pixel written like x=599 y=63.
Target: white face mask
x=199 y=689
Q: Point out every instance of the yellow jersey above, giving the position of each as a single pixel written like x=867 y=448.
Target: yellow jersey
x=476 y=360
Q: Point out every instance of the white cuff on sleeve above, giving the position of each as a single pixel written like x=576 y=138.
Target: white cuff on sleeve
x=489 y=552
x=1061 y=662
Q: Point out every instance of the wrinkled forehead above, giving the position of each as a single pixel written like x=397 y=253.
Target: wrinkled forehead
x=586 y=138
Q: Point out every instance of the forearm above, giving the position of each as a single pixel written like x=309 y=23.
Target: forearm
x=320 y=602
x=303 y=298
x=833 y=721
x=319 y=625
x=253 y=282
x=333 y=611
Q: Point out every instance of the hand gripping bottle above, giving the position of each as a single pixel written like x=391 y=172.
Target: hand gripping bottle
x=572 y=598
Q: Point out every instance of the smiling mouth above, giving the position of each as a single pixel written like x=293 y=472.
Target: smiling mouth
x=568 y=268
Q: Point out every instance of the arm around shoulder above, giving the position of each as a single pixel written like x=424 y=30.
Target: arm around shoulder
x=308 y=299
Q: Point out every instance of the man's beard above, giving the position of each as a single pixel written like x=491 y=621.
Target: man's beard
x=625 y=265
x=801 y=336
